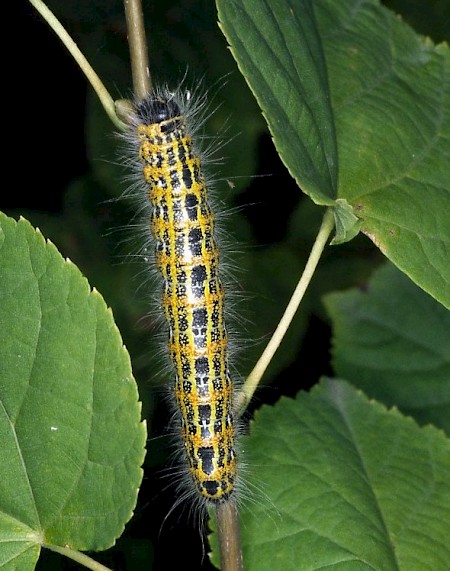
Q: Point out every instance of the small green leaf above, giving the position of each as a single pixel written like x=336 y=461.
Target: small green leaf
x=347 y=225
x=70 y=430
x=341 y=483
x=279 y=52
x=393 y=341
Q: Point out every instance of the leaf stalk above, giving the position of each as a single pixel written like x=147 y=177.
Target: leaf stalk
x=254 y=377
x=105 y=98
x=79 y=557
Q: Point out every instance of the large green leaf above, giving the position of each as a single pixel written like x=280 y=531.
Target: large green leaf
x=393 y=341
x=345 y=484
x=278 y=50
x=70 y=431
x=384 y=99
x=390 y=91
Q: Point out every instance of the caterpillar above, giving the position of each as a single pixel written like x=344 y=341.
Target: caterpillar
x=187 y=257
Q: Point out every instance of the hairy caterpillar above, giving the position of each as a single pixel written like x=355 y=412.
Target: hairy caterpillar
x=182 y=225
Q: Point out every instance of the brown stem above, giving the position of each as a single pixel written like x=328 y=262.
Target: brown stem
x=137 y=42
x=229 y=537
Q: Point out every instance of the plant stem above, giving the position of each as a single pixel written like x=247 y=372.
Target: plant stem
x=102 y=93
x=138 y=48
x=229 y=537
x=254 y=377
x=78 y=557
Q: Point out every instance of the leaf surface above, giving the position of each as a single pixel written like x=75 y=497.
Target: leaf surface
x=342 y=483
x=72 y=438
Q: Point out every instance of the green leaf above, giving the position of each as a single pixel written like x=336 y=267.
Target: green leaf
x=278 y=50
x=350 y=75
x=19 y=545
x=346 y=223
x=393 y=341
x=391 y=102
x=70 y=430
x=346 y=485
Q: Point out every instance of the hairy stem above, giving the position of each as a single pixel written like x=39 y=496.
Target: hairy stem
x=78 y=557
x=250 y=385
x=105 y=98
x=229 y=537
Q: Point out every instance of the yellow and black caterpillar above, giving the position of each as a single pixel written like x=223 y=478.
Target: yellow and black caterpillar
x=187 y=258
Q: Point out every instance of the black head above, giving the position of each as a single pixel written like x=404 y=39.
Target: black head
x=154 y=109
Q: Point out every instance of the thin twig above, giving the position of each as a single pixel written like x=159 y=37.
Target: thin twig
x=229 y=537
x=105 y=98
x=78 y=557
x=137 y=42
x=251 y=383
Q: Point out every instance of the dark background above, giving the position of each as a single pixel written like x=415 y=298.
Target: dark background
x=64 y=154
